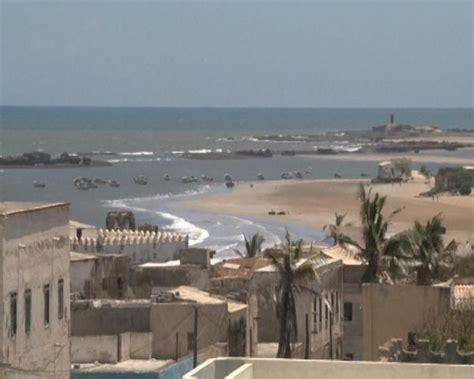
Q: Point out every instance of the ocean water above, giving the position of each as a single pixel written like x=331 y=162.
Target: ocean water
x=145 y=141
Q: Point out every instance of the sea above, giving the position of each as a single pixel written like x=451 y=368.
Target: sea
x=147 y=141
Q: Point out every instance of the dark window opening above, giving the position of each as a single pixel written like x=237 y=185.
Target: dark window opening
x=27 y=311
x=46 y=304
x=190 y=341
x=60 y=299
x=13 y=313
x=119 y=288
x=347 y=311
x=349 y=357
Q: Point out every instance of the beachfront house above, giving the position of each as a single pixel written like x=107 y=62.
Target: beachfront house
x=394 y=170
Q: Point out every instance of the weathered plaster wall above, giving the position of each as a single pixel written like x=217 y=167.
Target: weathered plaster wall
x=392 y=311
x=35 y=252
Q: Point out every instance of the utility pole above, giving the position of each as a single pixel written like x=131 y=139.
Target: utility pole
x=195 y=348
x=306 y=352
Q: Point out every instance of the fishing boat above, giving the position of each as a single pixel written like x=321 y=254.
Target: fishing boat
x=206 y=178
x=113 y=183
x=38 y=184
x=229 y=184
x=141 y=179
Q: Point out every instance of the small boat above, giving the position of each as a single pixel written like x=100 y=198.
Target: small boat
x=140 y=179
x=260 y=177
x=298 y=175
x=227 y=178
x=167 y=177
x=206 y=178
x=189 y=179
x=99 y=181
x=229 y=184
x=337 y=176
x=113 y=183
x=287 y=175
x=38 y=184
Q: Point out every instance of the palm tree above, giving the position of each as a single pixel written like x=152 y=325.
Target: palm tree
x=253 y=246
x=429 y=255
x=383 y=255
x=333 y=229
x=291 y=279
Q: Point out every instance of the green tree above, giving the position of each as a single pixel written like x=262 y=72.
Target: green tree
x=253 y=246
x=429 y=255
x=384 y=255
x=333 y=229
x=292 y=277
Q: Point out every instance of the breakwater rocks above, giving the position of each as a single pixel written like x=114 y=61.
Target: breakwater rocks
x=40 y=159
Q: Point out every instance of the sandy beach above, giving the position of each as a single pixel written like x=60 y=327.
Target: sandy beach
x=431 y=157
x=313 y=204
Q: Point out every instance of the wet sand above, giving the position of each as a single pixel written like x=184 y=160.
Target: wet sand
x=313 y=204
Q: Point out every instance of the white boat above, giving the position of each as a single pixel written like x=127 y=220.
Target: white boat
x=287 y=175
x=189 y=179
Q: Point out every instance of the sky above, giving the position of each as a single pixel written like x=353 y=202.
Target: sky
x=353 y=53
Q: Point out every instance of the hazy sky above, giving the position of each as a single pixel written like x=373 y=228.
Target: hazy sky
x=350 y=53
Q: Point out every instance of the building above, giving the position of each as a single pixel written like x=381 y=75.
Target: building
x=164 y=326
x=321 y=302
x=34 y=289
x=191 y=269
x=353 y=269
x=394 y=170
x=99 y=276
x=249 y=368
x=138 y=246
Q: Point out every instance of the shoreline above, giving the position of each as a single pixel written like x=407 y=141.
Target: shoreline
x=312 y=204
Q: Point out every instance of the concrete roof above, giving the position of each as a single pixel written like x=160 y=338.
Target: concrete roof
x=347 y=255
x=81 y=256
x=12 y=207
x=201 y=297
x=239 y=267
x=130 y=365
x=195 y=295
x=318 y=260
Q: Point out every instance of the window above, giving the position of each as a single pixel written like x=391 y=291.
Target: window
x=190 y=341
x=349 y=357
x=347 y=311
x=315 y=314
x=27 y=311
x=320 y=312
x=13 y=313
x=326 y=312
x=119 y=288
x=46 y=304
x=60 y=299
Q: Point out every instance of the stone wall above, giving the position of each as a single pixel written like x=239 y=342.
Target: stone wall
x=144 y=278
x=393 y=351
x=99 y=276
x=140 y=247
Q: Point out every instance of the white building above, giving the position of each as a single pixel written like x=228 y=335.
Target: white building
x=34 y=289
x=139 y=246
x=395 y=169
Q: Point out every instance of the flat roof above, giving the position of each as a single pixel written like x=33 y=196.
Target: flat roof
x=348 y=254
x=81 y=256
x=12 y=207
x=130 y=365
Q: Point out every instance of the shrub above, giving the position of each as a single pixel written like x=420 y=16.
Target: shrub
x=465 y=189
